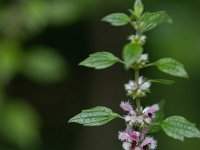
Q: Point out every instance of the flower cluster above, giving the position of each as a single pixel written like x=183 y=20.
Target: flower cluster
x=136 y=39
x=137 y=89
x=135 y=136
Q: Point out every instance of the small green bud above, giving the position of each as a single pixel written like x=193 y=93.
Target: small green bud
x=138 y=8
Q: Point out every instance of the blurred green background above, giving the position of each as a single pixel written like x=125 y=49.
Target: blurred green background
x=41 y=85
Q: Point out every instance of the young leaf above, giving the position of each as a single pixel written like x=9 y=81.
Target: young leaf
x=162 y=81
x=131 y=53
x=159 y=115
x=117 y=19
x=94 y=117
x=138 y=8
x=151 y=20
x=172 y=67
x=100 y=60
x=178 y=127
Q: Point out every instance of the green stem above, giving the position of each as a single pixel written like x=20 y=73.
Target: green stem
x=138 y=103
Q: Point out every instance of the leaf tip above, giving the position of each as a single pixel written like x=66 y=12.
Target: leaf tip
x=69 y=121
x=187 y=75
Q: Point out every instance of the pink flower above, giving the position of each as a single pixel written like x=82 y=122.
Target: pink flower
x=126 y=106
x=149 y=113
x=137 y=89
x=135 y=135
x=149 y=143
x=138 y=148
x=129 y=136
x=126 y=145
x=124 y=136
x=144 y=132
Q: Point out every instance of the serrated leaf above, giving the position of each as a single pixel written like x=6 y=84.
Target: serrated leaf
x=151 y=20
x=172 y=67
x=178 y=127
x=159 y=116
x=117 y=19
x=100 y=60
x=131 y=53
x=96 y=116
x=163 y=81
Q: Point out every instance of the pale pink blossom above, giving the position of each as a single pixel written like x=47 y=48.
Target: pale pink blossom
x=144 y=132
x=138 y=148
x=149 y=113
x=126 y=106
x=149 y=143
x=130 y=86
x=124 y=136
x=134 y=119
x=138 y=88
x=126 y=145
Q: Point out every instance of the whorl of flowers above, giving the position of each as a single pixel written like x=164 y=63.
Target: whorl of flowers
x=135 y=135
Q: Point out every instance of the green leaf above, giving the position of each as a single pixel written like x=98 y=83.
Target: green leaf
x=94 y=117
x=117 y=19
x=162 y=81
x=131 y=53
x=100 y=60
x=178 y=127
x=172 y=67
x=20 y=124
x=151 y=20
x=138 y=8
x=159 y=116
x=45 y=66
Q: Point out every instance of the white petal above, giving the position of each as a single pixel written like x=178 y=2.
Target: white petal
x=144 y=57
x=145 y=86
x=126 y=146
x=141 y=80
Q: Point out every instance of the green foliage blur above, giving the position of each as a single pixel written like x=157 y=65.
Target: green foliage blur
x=31 y=61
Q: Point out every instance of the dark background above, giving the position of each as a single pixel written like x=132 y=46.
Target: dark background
x=42 y=86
